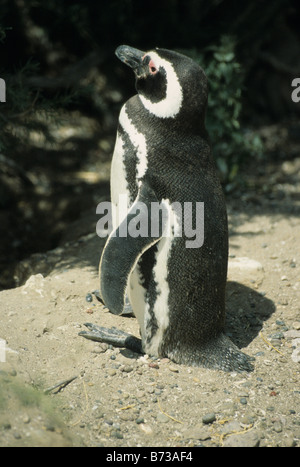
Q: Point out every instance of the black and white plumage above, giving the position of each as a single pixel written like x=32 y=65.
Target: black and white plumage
x=162 y=154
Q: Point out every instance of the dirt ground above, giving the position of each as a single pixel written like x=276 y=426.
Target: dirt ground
x=121 y=399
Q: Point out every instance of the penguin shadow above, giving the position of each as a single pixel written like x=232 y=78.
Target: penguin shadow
x=246 y=311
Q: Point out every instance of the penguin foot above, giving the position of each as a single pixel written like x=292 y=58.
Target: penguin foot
x=227 y=356
x=112 y=336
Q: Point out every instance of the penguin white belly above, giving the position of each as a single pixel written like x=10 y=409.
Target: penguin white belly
x=118 y=180
x=137 y=297
x=160 y=314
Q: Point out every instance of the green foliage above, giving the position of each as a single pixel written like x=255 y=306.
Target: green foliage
x=231 y=144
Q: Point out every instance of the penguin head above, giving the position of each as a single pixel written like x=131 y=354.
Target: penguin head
x=169 y=84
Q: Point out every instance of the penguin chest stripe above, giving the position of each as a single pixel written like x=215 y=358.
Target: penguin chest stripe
x=157 y=316
x=137 y=139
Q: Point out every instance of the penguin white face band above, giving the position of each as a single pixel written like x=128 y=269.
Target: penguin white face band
x=138 y=140
x=170 y=106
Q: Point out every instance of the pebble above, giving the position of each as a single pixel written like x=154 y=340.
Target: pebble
x=127 y=417
x=127 y=369
x=198 y=432
x=292 y=334
x=209 y=418
x=230 y=427
x=89 y=297
x=146 y=429
x=139 y=421
x=161 y=417
x=277 y=427
x=249 y=439
x=243 y=400
x=296 y=355
x=154 y=365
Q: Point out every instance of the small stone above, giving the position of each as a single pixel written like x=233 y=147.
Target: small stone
x=296 y=355
x=209 y=418
x=111 y=372
x=198 y=432
x=296 y=325
x=292 y=334
x=50 y=427
x=161 y=417
x=247 y=420
x=173 y=369
x=127 y=369
x=5 y=426
x=139 y=420
x=127 y=417
x=245 y=440
x=154 y=365
x=283 y=301
x=277 y=427
x=243 y=400
x=230 y=427
x=146 y=429
x=89 y=297
x=289 y=441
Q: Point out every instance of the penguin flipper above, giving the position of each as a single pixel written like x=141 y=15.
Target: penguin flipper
x=124 y=248
x=112 y=336
x=127 y=310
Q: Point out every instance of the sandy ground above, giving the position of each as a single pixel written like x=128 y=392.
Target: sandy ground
x=122 y=399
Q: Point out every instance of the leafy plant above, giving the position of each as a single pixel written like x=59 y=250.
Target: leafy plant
x=232 y=145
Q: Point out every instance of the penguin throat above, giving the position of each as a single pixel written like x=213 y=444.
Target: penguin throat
x=153 y=88
x=170 y=105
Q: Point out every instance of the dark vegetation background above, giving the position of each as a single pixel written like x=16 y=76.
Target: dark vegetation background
x=65 y=89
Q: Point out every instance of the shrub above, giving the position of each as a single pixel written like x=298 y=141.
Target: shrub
x=232 y=145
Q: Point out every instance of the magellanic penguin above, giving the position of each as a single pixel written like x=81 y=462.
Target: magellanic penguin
x=162 y=155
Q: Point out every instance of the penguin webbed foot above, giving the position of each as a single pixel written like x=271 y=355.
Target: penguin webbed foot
x=112 y=336
x=230 y=357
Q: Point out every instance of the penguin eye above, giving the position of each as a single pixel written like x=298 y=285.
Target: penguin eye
x=152 y=68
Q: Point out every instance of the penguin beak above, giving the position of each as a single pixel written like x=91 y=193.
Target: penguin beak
x=133 y=58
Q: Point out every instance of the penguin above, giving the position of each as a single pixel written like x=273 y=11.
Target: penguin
x=162 y=157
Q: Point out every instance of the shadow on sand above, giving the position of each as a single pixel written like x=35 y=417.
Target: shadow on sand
x=246 y=311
